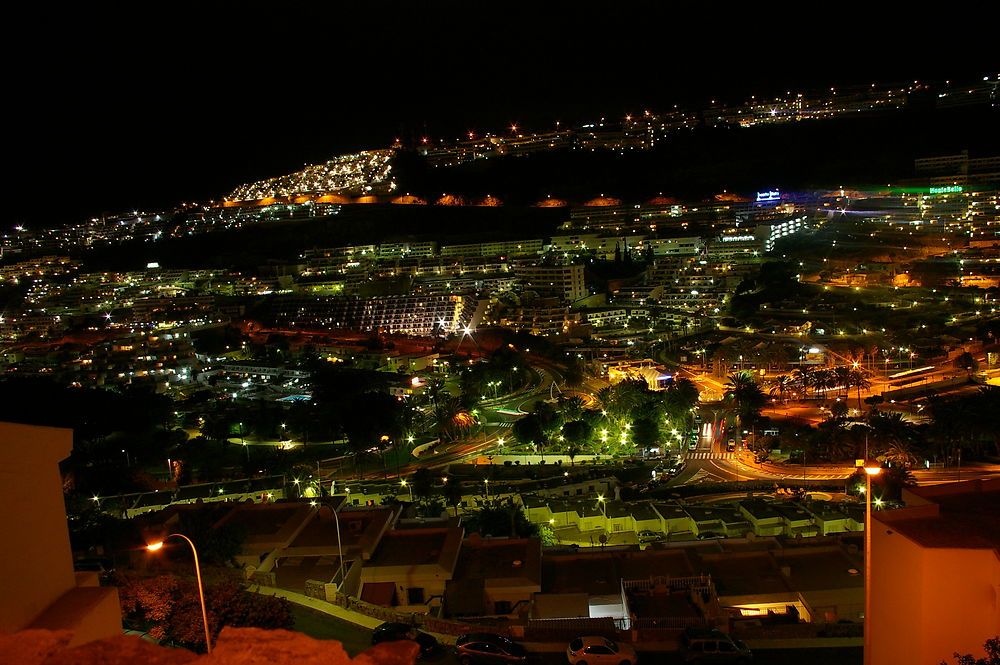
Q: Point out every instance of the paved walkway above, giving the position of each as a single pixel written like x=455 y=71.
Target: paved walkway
x=324 y=606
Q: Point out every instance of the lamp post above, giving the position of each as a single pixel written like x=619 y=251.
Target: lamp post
x=871 y=469
x=340 y=552
x=152 y=547
x=407 y=486
x=244 y=443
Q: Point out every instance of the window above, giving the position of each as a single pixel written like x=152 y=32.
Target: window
x=501 y=607
x=415 y=596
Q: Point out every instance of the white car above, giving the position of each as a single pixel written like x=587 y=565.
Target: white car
x=595 y=650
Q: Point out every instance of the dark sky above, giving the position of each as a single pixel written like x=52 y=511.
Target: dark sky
x=116 y=110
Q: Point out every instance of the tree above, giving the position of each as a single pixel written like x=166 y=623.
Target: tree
x=645 y=433
x=528 y=431
x=781 y=384
x=992 y=648
x=745 y=395
x=838 y=411
x=169 y=609
x=452 y=490
x=893 y=479
x=892 y=438
x=859 y=380
x=577 y=433
x=501 y=517
x=549 y=418
x=422 y=482
x=571 y=407
x=968 y=362
x=451 y=418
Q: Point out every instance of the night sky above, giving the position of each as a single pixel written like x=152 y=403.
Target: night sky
x=113 y=111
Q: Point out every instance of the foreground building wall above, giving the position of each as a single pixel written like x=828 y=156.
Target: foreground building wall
x=40 y=588
x=936 y=574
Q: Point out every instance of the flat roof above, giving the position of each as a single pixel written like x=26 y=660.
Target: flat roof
x=354 y=527
x=413 y=547
x=644 y=511
x=599 y=573
x=958 y=515
x=744 y=573
x=262 y=519
x=500 y=559
x=758 y=509
x=291 y=572
x=816 y=569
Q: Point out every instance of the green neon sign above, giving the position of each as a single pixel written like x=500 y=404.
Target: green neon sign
x=952 y=189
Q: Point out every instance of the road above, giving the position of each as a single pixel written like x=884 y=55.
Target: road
x=356 y=639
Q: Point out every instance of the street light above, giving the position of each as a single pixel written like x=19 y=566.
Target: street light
x=409 y=487
x=244 y=443
x=340 y=549
x=871 y=469
x=152 y=547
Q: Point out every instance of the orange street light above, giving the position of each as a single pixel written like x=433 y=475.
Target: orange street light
x=871 y=469
x=152 y=547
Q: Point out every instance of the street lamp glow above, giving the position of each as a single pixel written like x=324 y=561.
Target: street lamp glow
x=152 y=547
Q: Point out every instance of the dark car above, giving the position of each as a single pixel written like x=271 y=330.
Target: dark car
x=709 y=645
x=647 y=536
x=392 y=632
x=488 y=648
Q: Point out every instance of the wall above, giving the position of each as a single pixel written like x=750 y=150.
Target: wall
x=36 y=565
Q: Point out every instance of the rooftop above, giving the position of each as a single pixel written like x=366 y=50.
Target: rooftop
x=956 y=515
x=414 y=547
x=500 y=558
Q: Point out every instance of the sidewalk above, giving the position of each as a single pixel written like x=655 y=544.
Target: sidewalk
x=324 y=606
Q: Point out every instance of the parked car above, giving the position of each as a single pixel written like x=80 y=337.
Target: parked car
x=488 y=648
x=391 y=632
x=647 y=536
x=596 y=650
x=709 y=645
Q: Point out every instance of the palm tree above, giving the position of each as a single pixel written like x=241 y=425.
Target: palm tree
x=840 y=378
x=859 y=379
x=803 y=379
x=451 y=418
x=745 y=395
x=571 y=407
x=781 y=384
x=892 y=438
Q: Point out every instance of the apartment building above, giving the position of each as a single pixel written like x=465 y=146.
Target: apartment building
x=564 y=282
